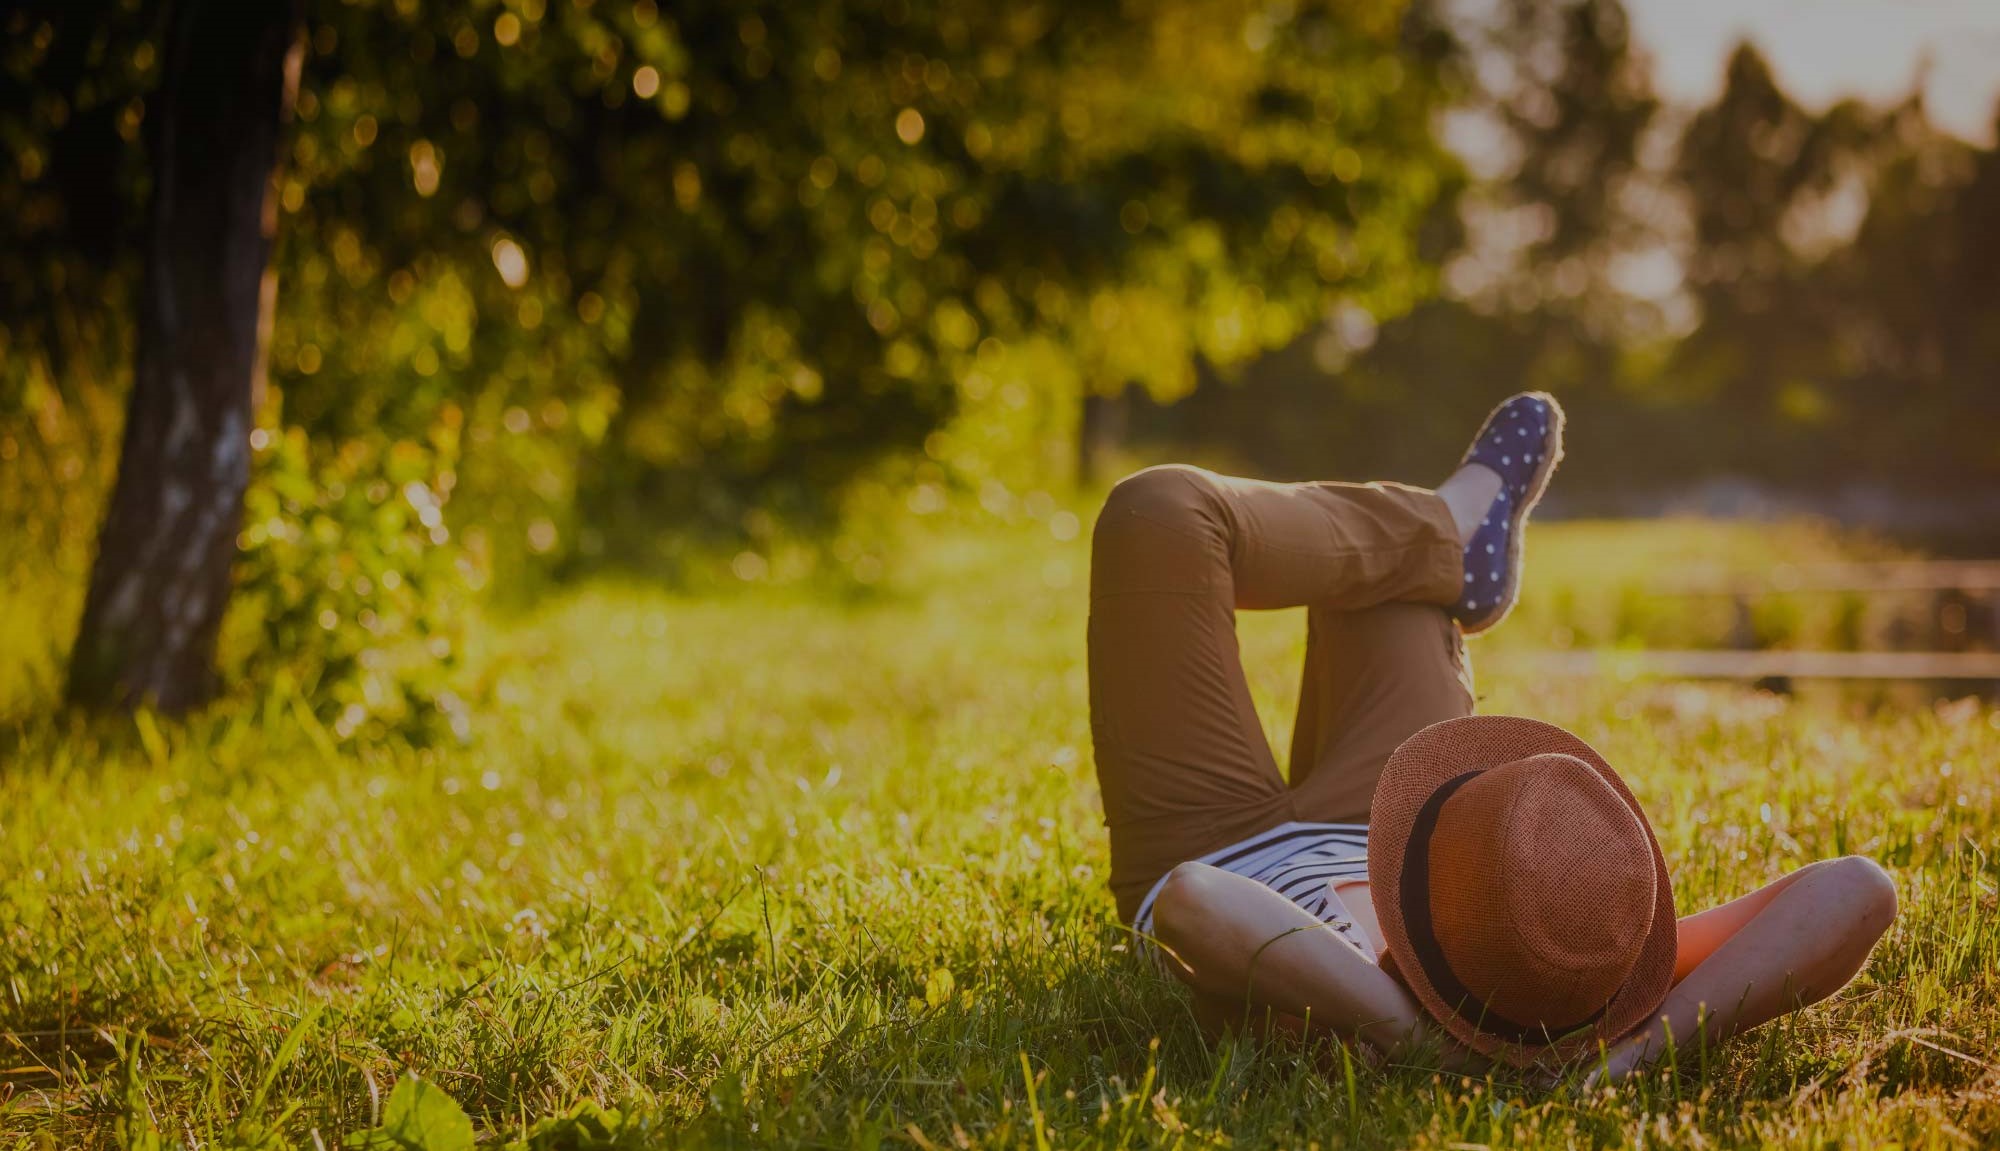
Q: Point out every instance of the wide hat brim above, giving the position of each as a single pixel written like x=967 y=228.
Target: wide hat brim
x=1416 y=770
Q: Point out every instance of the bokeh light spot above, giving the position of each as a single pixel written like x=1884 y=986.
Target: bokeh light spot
x=510 y=261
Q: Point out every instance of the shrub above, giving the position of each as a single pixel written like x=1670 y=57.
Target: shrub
x=351 y=593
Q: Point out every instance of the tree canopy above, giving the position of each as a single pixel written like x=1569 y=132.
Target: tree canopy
x=606 y=275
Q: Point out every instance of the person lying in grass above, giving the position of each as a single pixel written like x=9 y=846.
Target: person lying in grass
x=1486 y=884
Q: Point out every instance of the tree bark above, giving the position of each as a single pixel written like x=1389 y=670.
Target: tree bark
x=164 y=558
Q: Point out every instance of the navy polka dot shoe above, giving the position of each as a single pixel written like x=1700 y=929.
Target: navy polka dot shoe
x=1522 y=442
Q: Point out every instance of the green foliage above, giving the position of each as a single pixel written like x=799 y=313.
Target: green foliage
x=794 y=240
x=54 y=476
x=707 y=858
x=726 y=257
x=419 y=1116
x=350 y=593
x=712 y=269
x=588 y=1127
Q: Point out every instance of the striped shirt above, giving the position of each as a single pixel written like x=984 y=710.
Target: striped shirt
x=1300 y=861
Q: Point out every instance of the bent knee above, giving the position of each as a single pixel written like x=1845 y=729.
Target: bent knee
x=1177 y=495
x=1161 y=529
x=1857 y=901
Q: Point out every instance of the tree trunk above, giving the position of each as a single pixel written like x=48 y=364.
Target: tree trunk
x=1100 y=431
x=162 y=576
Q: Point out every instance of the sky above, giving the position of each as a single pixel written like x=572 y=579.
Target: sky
x=1823 y=50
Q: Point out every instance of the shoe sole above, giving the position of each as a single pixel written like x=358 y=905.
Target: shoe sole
x=1517 y=535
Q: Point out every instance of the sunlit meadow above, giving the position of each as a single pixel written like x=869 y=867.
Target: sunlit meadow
x=822 y=866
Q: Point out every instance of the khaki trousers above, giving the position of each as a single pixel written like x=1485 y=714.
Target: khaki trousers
x=1181 y=757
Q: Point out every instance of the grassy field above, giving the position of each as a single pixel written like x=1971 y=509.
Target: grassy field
x=787 y=867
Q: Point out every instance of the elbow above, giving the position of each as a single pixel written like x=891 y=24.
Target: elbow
x=1871 y=892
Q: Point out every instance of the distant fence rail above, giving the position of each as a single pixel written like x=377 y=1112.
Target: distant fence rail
x=1767 y=665
x=1863 y=578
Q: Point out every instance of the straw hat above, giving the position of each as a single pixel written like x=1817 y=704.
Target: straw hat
x=1519 y=888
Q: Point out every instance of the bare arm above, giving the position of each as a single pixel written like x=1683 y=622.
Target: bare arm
x=1250 y=952
x=1773 y=951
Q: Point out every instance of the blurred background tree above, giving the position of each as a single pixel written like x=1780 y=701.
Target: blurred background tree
x=1752 y=305
x=162 y=577
x=607 y=279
